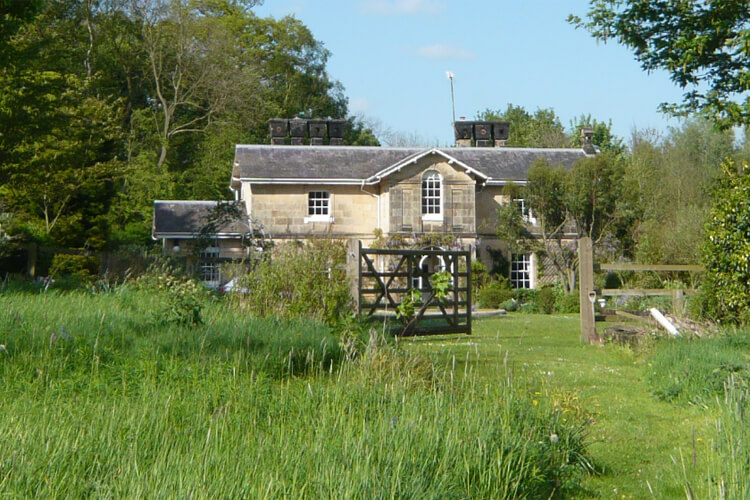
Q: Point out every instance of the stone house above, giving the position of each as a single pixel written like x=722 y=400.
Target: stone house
x=347 y=192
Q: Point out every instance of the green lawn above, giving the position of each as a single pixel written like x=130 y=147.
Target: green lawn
x=643 y=447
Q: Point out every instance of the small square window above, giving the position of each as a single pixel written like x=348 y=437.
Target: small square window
x=318 y=203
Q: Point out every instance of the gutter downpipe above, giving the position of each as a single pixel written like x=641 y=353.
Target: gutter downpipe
x=377 y=196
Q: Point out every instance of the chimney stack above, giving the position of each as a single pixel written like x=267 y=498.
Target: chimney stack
x=587 y=136
x=481 y=134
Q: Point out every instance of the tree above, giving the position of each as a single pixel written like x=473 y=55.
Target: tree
x=57 y=173
x=727 y=249
x=704 y=46
x=566 y=203
x=603 y=138
x=542 y=129
x=196 y=69
x=669 y=181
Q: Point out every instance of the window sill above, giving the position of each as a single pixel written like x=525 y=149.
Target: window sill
x=319 y=218
x=432 y=218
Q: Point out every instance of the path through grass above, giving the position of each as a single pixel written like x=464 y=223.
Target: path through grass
x=644 y=448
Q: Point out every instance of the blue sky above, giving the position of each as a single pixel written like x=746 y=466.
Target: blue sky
x=392 y=57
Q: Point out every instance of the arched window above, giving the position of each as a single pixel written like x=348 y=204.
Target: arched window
x=432 y=196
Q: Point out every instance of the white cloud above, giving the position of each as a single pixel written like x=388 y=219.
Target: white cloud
x=359 y=105
x=401 y=7
x=443 y=51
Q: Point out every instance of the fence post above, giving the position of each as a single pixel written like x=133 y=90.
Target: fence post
x=678 y=302
x=586 y=289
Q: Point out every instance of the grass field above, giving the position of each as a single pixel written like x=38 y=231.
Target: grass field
x=109 y=394
x=102 y=397
x=642 y=446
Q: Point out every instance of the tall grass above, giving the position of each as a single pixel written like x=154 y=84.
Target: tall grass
x=101 y=400
x=730 y=465
x=694 y=371
x=715 y=374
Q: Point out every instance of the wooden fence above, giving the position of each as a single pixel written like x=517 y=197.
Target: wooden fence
x=588 y=294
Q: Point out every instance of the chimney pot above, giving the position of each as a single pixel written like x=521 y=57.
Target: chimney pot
x=587 y=136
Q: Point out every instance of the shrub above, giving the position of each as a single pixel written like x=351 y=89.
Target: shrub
x=79 y=269
x=300 y=279
x=567 y=303
x=726 y=247
x=546 y=299
x=525 y=295
x=495 y=293
x=509 y=305
x=185 y=296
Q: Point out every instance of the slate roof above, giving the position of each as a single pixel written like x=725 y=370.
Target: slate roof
x=186 y=218
x=356 y=163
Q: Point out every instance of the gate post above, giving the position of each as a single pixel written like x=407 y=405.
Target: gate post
x=353 y=270
x=586 y=289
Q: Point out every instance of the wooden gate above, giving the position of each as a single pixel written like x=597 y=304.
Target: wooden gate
x=387 y=276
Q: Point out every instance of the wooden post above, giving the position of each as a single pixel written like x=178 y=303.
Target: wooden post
x=587 y=294
x=354 y=270
x=31 y=257
x=678 y=302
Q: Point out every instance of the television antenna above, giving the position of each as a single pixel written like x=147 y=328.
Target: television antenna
x=451 y=76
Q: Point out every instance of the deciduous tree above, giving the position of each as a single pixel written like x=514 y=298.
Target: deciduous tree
x=704 y=46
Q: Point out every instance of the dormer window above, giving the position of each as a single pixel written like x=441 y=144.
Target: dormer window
x=432 y=196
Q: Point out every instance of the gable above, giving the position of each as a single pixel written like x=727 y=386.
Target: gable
x=411 y=172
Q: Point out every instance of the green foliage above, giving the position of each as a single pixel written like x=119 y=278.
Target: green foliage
x=542 y=129
x=546 y=299
x=668 y=185
x=603 y=139
x=695 y=370
x=107 y=106
x=567 y=303
x=494 y=293
x=702 y=46
x=207 y=401
x=526 y=298
x=510 y=305
x=300 y=279
x=411 y=299
x=185 y=297
x=81 y=269
x=479 y=276
x=726 y=253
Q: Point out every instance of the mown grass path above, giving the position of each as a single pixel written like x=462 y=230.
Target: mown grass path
x=643 y=447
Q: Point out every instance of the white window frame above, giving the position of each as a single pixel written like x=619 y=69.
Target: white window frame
x=526 y=213
x=522 y=270
x=326 y=208
x=427 y=199
x=210 y=266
